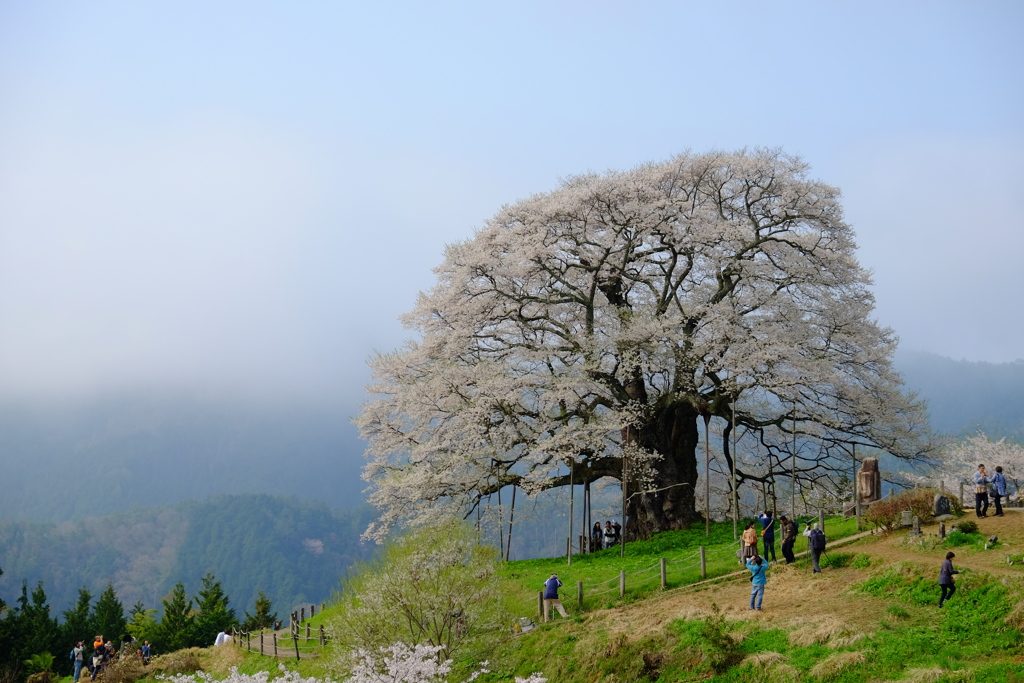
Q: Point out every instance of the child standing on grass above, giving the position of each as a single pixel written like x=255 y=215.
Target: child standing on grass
x=946 y=578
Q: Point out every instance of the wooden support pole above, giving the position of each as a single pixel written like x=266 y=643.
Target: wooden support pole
x=622 y=583
x=703 y=563
x=579 y=594
x=323 y=640
x=296 y=641
x=275 y=643
x=261 y=643
x=663 y=574
x=540 y=604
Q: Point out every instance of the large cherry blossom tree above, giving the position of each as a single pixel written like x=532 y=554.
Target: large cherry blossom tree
x=595 y=327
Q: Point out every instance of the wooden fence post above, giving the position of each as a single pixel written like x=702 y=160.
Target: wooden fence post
x=312 y=611
x=302 y=614
x=307 y=630
x=579 y=594
x=703 y=564
x=540 y=604
x=275 y=643
x=323 y=641
x=262 y=650
x=663 y=581
x=622 y=583
x=248 y=641
x=961 y=494
x=296 y=641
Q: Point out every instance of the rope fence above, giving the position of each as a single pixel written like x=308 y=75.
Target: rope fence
x=665 y=574
x=301 y=641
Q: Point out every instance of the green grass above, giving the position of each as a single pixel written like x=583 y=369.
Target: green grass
x=599 y=571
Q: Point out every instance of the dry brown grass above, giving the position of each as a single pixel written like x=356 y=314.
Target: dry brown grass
x=818 y=631
x=832 y=666
x=924 y=675
x=1015 y=619
x=219 y=660
x=764 y=660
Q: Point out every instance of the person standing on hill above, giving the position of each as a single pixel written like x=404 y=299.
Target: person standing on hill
x=596 y=535
x=78 y=655
x=816 y=540
x=998 y=489
x=768 y=534
x=981 y=482
x=609 y=534
x=788 y=539
x=758 y=580
x=946 y=584
x=749 y=542
x=551 y=587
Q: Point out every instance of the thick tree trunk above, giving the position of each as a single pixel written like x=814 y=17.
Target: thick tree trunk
x=672 y=432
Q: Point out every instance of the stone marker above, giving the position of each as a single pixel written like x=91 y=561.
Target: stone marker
x=916 y=530
x=941 y=507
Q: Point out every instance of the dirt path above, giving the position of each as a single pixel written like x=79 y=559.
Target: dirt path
x=816 y=606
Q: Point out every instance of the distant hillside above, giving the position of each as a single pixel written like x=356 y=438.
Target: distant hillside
x=295 y=551
x=67 y=460
x=965 y=396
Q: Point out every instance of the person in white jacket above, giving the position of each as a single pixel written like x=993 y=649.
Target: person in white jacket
x=981 y=482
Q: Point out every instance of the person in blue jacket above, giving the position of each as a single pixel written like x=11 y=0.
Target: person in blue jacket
x=998 y=490
x=551 y=587
x=758 y=580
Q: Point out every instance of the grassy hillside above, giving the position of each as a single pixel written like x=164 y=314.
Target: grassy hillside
x=870 y=616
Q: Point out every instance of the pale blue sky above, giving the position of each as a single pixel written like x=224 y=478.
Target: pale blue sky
x=243 y=196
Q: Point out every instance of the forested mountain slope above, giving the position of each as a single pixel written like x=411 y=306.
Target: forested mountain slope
x=295 y=551
x=965 y=396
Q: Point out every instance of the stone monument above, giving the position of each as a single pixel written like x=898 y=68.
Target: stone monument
x=869 y=483
x=941 y=508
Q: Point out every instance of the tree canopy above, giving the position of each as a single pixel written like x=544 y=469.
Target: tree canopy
x=595 y=327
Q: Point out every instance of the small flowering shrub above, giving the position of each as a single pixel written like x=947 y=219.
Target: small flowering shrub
x=398 y=663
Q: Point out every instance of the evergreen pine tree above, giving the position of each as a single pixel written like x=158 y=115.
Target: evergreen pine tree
x=143 y=624
x=214 y=614
x=178 y=622
x=263 y=618
x=108 y=617
x=78 y=623
x=35 y=632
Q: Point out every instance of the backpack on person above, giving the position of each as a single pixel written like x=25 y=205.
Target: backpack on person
x=817 y=539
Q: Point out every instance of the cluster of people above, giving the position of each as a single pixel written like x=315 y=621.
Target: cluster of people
x=758 y=565
x=789 y=531
x=982 y=481
x=103 y=654
x=606 y=537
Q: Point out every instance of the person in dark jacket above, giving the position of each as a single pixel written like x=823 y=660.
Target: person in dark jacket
x=789 y=532
x=551 y=587
x=946 y=578
x=768 y=534
x=596 y=537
